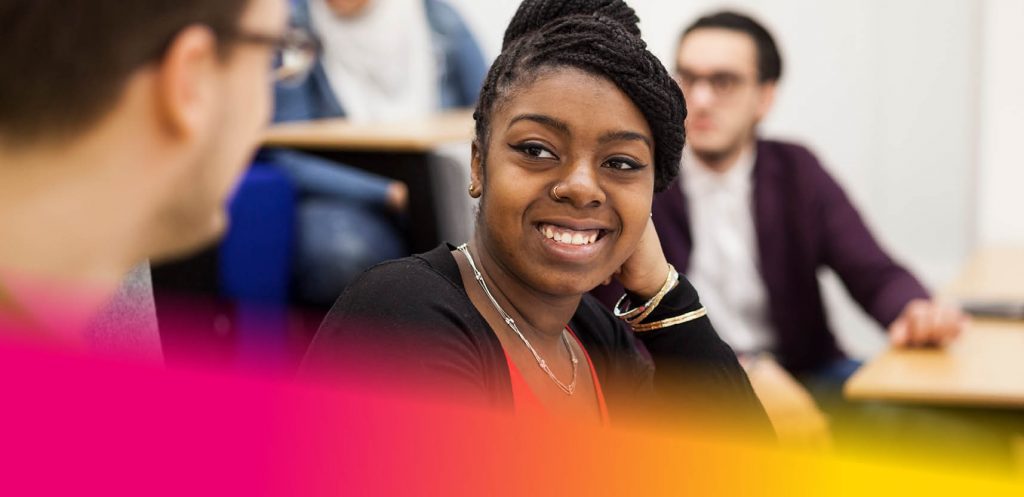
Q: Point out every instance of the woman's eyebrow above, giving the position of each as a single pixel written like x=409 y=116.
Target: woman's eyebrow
x=625 y=136
x=563 y=128
x=548 y=121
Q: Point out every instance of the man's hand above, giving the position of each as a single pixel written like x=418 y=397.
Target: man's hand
x=925 y=323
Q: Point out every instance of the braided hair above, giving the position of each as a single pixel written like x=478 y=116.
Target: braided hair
x=532 y=15
x=600 y=37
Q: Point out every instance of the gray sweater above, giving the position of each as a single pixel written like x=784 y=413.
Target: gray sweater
x=127 y=326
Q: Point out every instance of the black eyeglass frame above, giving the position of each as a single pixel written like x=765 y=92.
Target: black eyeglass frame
x=296 y=42
x=722 y=84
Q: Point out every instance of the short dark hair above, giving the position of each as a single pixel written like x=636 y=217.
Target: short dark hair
x=68 y=60
x=769 y=62
x=599 y=37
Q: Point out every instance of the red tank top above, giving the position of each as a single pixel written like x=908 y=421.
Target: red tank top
x=526 y=402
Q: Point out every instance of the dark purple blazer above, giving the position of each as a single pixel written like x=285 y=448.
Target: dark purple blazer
x=804 y=222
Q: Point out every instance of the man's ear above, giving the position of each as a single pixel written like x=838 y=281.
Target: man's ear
x=186 y=82
x=765 y=99
x=476 y=171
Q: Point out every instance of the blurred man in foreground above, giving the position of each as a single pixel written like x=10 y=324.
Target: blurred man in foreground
x=123 y=128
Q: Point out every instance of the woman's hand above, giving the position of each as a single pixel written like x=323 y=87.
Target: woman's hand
x=645 y=272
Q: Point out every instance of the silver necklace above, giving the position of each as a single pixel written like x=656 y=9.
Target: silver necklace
x=568 y=389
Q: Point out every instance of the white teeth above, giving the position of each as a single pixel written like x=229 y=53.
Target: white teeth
x=568 y=236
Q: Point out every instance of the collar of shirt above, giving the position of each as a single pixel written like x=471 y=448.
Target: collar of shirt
x=701 y=180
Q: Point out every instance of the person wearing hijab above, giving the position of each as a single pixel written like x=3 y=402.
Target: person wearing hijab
x=381 y=61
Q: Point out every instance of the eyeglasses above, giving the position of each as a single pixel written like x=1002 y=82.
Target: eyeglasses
x=722 y=84
x=294 y=52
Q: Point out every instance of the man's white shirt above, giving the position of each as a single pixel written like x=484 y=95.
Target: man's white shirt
x=724 y=263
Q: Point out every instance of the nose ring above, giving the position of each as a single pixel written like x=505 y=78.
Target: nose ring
x=554 y=192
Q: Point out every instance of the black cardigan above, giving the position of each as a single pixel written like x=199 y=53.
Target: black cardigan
x=410 y=324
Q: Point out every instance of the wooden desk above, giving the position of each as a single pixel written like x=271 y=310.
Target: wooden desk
x=984 y=368
x=423 y=135
x=398 y=150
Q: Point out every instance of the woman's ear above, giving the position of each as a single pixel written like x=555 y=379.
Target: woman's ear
x=476 y=171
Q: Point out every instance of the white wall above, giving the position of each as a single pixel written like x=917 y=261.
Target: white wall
x=888 y=94
x=1001 y=171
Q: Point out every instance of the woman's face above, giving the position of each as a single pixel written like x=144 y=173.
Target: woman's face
x=581 y=134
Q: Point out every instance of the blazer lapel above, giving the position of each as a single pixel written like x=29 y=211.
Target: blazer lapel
x=770 y=225
x=671 y=215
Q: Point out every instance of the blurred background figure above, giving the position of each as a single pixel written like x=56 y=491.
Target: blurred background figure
x=382 y=60
x=754 y=219
x=751 y=221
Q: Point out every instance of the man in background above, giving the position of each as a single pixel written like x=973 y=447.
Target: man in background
x=751 y=221
x=123 y=128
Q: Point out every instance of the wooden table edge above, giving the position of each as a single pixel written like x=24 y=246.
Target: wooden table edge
x=853 y=391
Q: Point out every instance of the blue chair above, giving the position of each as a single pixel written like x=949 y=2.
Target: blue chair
x=255 y=262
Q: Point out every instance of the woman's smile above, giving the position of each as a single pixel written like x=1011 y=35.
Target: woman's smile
x=571 y=241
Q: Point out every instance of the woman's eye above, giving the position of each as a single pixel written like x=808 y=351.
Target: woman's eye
x=536 y=151
x=623 y=164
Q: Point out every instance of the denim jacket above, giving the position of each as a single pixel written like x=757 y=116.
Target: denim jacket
x=461 y=68
x=459 y=60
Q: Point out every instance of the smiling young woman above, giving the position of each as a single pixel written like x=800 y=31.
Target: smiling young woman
x=577 y=126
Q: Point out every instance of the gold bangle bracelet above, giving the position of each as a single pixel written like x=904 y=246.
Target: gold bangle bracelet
x=670 y=283
x=665 y=323
x=630 y=316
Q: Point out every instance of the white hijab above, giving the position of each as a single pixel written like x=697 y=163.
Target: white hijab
x=380 y=63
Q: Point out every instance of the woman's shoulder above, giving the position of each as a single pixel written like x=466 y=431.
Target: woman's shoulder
x=413 y=318
x=408 y=272
x=421 y=277
x=423 y=290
